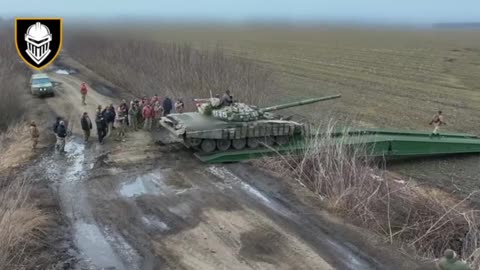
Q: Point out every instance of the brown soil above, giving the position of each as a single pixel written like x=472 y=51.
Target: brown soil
x=142 y=205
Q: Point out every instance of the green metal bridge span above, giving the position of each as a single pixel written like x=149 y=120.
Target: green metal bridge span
x=378 y=142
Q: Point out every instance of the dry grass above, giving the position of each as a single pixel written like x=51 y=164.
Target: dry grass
x=170 y=69
x=12 y=78
x=420 y=218
x=15 y=146
x=22 y=227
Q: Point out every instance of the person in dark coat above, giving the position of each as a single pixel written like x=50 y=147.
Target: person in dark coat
x=101 y=127
x=227 y=99
x=55 y=125
x=167 y=106
x=61 y=137
x=86 y=124
x=109 y=114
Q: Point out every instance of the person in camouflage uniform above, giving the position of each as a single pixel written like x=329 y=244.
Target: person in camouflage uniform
x=449 y=261
x=122 y=115
x=34 y=134
x=133 y=116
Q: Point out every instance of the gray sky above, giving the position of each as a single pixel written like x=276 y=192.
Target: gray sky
x=400 y=11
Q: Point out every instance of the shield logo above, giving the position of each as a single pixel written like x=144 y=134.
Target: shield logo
x=38 y=40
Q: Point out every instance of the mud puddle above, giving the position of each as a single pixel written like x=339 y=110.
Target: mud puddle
x=105 y=89
x=64 y=70
x=96 y=249
x=157 y=182
x=99 y=247
x=146 y=184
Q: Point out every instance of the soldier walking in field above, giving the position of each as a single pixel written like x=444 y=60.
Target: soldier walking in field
x=437 y=122
x=34 y=134
x=83 y=92
x=86 y=124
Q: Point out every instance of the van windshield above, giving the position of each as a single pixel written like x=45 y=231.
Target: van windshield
x=41 y=81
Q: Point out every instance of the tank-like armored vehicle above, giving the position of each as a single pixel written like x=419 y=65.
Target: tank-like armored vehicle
x=237 y=126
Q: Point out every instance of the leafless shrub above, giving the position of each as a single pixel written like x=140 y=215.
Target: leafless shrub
x=176 y=70
x=418 y=217
x=12 y=81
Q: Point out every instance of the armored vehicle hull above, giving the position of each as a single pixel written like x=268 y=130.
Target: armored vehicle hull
x=210 y=135
x=236 y=126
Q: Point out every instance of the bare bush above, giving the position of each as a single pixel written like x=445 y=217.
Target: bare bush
x=12 y=81
x=422 y=218
x=175 y=70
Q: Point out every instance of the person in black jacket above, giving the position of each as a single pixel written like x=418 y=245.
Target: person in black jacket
x=101 y=126
x=86 y=124
x=167 y=106
x=109 y=116
x=61 y=137
x=55 y=125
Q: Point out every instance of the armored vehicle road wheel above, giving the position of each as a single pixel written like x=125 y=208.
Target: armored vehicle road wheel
x=239 y=144
x=208 y=146
x=268 y=141
x=282 y=140
x=193 y=142
x=223 y=144
x=253 y=143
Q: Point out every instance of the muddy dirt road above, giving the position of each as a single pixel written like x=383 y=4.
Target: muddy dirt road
x=142 y=205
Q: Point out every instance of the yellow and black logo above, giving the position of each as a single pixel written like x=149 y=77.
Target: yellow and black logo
x=38 y=40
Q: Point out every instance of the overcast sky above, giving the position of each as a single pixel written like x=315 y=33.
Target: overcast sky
x=401 y=11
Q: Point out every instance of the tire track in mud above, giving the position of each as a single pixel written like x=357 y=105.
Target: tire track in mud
x=337 y=254
x=99 y=247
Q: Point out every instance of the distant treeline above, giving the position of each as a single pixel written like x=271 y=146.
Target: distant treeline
x=473 y=25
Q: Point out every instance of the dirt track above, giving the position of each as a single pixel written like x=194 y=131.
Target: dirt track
x=141 y=205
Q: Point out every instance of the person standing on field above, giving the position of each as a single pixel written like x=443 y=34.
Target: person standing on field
x=83 y=92
x=154 y=99
x=147 y=114
x=122 y=121
x=109 y=116
x=34 y=134
x=157 y=111
x=133 y=116
x=86 y=124
x=179 y=106
x=167 y=106
x=101 y=126
x=437 y=122
x=55 y=125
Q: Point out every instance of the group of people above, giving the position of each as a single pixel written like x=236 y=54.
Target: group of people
x=134 y=115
